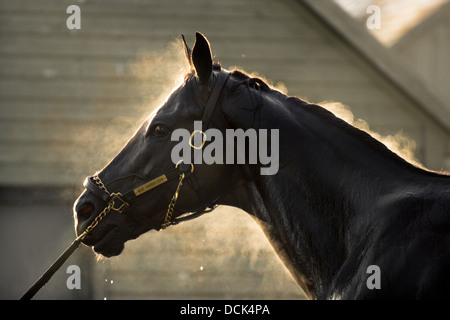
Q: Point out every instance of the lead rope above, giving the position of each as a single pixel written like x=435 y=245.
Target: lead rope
x=168 y=220
x=71 y=249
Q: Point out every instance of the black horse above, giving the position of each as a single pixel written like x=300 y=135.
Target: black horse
x=349 y=218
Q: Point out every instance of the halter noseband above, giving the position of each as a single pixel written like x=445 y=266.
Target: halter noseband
x=120 y=202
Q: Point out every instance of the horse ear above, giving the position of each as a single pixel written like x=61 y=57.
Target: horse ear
x=202 y=58
x=187 y=50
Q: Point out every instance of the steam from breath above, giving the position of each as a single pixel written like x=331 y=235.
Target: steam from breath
x=148 y=79
x=160 y=72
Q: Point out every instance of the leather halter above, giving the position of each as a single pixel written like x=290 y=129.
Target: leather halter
x=120 y=202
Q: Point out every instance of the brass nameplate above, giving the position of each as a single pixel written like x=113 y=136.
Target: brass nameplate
x=150 y=185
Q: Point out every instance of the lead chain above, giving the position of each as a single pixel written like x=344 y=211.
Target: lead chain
x=102 y=214
x=96 y=221
x=168 y=219
x=100 y=183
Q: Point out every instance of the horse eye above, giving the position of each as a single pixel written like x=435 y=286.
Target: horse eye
x=160 y=130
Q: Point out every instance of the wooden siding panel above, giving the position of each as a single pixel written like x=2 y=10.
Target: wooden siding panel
x=138 y=9
x=62 y=109
x=155 y=26
x=443 y=60
x=427 y=50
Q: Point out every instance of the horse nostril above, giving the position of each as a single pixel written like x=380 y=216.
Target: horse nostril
x=87 y=209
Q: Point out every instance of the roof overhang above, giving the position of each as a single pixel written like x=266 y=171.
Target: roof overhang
x=384 y=60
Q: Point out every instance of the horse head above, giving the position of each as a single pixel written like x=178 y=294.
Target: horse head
x=143 y=187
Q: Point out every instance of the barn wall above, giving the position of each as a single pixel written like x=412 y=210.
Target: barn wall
x=427 y=50
x=70 y=99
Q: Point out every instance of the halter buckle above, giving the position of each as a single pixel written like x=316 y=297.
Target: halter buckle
x=122 y=204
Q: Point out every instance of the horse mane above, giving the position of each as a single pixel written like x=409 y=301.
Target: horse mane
x=360 y=134
x=363 y=136
x=332 y=120
x=318 y=111
x=324 y=114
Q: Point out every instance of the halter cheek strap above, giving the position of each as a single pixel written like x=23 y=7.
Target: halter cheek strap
x=210 y=107
x=120 y=202
x=214 y=97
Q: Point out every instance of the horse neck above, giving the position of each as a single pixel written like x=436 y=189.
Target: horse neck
x=319 y=206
